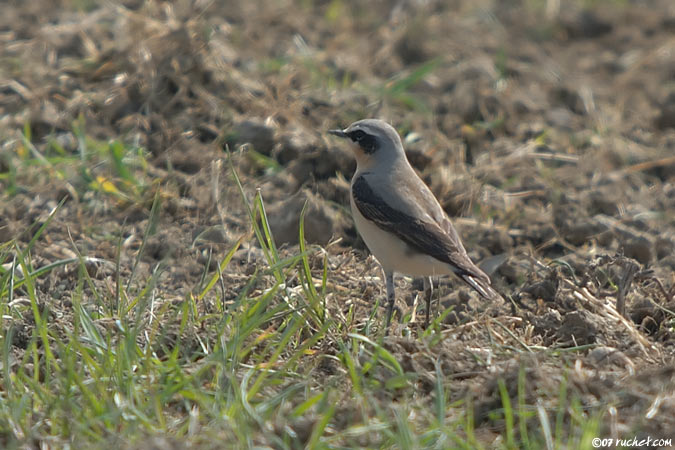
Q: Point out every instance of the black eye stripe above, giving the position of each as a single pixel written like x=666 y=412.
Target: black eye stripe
x=357 y=135
x=368 y=143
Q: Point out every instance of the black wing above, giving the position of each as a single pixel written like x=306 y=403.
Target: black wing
x=423 y=237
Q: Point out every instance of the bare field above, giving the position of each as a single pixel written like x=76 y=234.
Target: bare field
x=157 y=158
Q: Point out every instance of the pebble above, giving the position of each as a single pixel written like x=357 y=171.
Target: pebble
x=255 y=133
x=320 y=219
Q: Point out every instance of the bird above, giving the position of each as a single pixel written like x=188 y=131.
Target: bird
x=399 y=218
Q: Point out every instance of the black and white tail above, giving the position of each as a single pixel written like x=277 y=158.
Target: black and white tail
x=481 y=286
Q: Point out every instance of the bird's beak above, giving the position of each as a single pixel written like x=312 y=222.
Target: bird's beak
x=338 y=133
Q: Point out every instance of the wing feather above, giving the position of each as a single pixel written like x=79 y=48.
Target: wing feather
x=424 y=237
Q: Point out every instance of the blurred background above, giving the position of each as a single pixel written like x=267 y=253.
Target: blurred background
x=550 y=124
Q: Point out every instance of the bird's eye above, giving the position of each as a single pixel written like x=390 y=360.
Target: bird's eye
x=357 y=135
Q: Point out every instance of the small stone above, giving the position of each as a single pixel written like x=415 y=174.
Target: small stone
x=585 y=24
x=511 y=271
x=577 y=327
x=215 y=234
x=668 y=261
x=603 y=356
x=638 y=248
x=320 y=219
x=255 y=133
x=664 y=247
x=570 y=99
x=544 y=289
x=492 y=263
x=321 y=163
x=7 y=229
x=159 y=247
x=497 y=240
x=411 y=47
x=417 y=158
x=291 y=146
x=666 y=116
x=465 y=103
x=547 y=324
x=582 y=231
x=560 y=118
x=603 y=202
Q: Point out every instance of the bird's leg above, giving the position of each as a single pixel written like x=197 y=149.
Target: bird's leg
x=391 y=296
x=428 y=292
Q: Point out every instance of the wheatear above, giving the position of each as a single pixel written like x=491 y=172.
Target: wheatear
x=399 y=218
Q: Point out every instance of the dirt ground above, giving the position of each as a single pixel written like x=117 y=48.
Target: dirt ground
x=546 y=130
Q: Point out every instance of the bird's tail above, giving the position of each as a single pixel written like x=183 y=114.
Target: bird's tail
x=481 y=286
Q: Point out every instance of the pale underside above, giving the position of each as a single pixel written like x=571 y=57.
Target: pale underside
x=395 y=255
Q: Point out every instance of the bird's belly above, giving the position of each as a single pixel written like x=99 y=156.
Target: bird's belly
x=395 y=255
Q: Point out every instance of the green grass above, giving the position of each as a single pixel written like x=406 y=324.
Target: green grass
x=271 y=366
x=108 y=170
x=243 y=375
x=398 y=88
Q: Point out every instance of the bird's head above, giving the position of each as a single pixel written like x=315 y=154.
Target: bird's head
x=374 y=141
